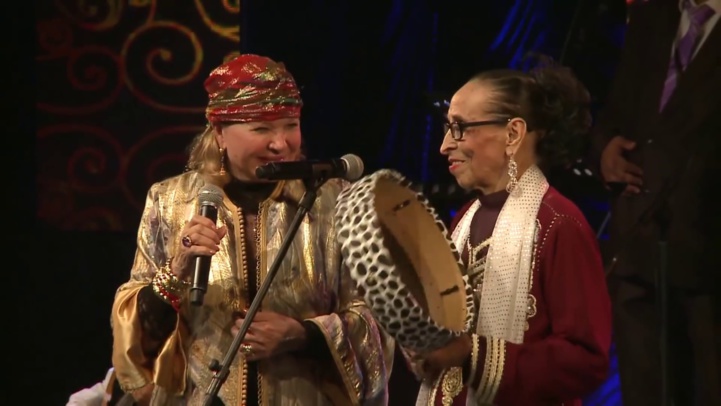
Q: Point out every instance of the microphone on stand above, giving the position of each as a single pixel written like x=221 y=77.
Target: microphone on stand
x=349 y=167
x=209 y=198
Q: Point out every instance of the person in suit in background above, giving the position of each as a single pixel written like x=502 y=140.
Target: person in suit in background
x=658 y=143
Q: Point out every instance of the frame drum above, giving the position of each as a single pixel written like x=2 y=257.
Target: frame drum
x=403 y=261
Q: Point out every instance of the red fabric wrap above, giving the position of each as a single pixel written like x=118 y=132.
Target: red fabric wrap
x=251 y=88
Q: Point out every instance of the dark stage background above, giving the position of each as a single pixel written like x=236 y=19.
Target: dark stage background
x=119 y=95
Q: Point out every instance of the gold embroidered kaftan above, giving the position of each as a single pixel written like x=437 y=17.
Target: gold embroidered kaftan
x=310 y=285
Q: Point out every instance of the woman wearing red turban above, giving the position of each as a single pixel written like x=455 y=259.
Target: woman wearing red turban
x=313 y=342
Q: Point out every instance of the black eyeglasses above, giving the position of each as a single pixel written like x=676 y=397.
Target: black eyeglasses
x=456 y=128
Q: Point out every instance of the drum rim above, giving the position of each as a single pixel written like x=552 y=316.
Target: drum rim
x=441 y=332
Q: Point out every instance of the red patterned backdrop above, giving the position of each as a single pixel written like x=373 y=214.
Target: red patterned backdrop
x=119 y=97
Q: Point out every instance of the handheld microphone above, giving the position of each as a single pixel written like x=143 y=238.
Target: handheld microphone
x=349 y=167
x=209 y=198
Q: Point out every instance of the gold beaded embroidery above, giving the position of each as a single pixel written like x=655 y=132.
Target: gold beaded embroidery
x=452 y=385
x=492 y=370
x=259 y=229
x=475 y=346
x=244 y=266
x=477 y=264
x=531 y=304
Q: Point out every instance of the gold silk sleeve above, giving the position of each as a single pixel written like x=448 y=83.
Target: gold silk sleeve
x=133 y=367
x=361 y=350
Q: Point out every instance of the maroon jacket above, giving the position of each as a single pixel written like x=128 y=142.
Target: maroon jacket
x=565 y=352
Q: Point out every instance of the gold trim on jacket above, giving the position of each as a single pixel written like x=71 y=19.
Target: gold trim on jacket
x=310 y=285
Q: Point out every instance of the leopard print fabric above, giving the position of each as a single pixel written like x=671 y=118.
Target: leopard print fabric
x=367 y=255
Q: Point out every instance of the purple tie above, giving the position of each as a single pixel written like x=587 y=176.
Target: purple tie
x=684 y=49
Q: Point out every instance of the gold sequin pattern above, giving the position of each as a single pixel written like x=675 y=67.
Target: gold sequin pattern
x=362 y=355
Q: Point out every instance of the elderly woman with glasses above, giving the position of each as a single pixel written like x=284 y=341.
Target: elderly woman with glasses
x=542 y=332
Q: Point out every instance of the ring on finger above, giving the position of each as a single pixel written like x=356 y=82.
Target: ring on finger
x=187 y=241
x=246 y=349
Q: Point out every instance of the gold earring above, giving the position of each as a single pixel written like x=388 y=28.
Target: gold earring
x=222 y=162
x=512 y=175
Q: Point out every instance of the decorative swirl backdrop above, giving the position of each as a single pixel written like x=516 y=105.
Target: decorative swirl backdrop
x=120 y=95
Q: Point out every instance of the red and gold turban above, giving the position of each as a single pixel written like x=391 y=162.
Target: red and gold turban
x=251 y=88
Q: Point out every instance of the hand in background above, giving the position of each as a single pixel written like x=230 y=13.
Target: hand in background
x=615 y=168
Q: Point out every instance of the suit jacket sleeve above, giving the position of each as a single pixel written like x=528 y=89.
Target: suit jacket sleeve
x=617 y=111
x=573 y=359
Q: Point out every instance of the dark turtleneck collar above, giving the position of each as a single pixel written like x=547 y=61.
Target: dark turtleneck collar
x=493 y=200
x=249 y=195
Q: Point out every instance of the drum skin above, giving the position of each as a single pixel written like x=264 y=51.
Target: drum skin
x=403 y=262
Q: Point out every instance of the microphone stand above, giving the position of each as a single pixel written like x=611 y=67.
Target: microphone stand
x=222 y=370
